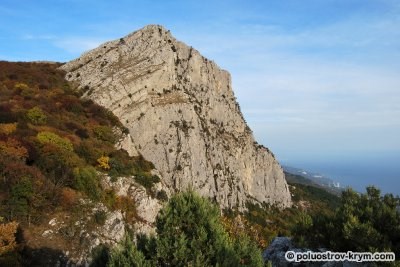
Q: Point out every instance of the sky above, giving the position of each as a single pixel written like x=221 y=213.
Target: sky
x=317 y=80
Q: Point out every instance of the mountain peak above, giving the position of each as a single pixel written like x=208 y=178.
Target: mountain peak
x=183 y=116
x=152 y=29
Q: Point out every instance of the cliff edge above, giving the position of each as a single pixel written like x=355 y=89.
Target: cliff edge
x=182 y=115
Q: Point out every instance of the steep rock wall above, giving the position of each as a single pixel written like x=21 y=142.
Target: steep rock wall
x=182 y=115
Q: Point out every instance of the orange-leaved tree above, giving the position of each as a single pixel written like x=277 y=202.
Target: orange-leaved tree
x=7 y=237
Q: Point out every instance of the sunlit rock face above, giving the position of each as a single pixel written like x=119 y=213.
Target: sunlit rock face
x=182 y=115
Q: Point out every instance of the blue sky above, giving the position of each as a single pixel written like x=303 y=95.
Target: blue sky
x=316 y=79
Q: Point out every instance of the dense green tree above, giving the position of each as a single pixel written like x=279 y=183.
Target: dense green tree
x=20 y=200
x=363 y=222
x=86 y=180
x=127 y=255
x=190 y=233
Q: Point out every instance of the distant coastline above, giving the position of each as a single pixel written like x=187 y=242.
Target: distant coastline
x=357 y=173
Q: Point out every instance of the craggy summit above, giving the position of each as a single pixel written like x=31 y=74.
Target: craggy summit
x=182 y=115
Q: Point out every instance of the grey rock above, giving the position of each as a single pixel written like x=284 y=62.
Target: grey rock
x=147 y=207
x=182 y=115
x=275 y=252
x=47 y=233
x=126 y=142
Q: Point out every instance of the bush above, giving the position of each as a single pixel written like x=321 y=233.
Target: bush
x=147 y=180
x=8 y=128
x=7 y=237
x=36 y=115
x=162 y=196
x=6 y=115
x=100 y=217
x=90 y=150
x=127 y=255
x=56 y=140
x=103 y=162
x=58 y=164
x=13 y=148
x=68 y=197
x=100 y=256
x=20 y=201
x=86 y=180
x=121 y=164
x=104 y=133
x=128 y=206
x=143 y=165
x=21 y=86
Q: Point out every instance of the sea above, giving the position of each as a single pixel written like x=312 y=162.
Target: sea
x=357 y=172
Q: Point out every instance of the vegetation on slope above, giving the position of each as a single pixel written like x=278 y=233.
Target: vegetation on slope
x=189 y=233
x=54 y=145
x=362 y=222
x=263 y=222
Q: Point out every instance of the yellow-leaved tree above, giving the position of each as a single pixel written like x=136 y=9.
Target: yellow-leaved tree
x=103 y=162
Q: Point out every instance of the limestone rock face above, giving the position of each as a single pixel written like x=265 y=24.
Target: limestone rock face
x=147 y=207
x=182 y=115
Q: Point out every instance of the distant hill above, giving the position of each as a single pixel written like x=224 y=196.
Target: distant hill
x=301 y=176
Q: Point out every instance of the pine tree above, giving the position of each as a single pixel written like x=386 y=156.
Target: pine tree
x=190 y=233
x=126 y=255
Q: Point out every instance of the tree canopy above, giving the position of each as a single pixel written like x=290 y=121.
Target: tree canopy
x=363 y=222
x=190 y=233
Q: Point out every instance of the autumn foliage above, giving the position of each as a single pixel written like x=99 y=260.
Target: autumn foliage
x=53 y=144
x=8 y=128
x=103 y=162
x=7 y=237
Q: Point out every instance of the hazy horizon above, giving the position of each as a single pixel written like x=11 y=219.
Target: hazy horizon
x=317 y=81
x=357 y=172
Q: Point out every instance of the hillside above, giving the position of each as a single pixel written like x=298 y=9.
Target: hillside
x=300 y=179
x=57 y=152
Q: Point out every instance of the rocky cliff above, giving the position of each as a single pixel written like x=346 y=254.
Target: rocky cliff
x=182 y=115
